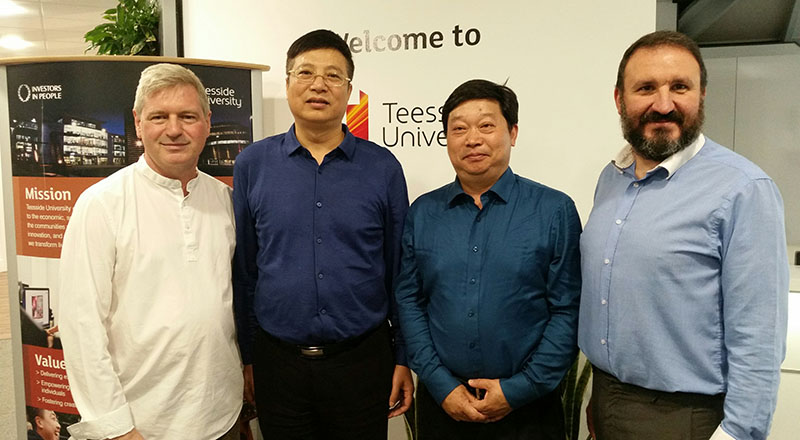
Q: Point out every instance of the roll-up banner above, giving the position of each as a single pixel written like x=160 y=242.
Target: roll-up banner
x=71 y=125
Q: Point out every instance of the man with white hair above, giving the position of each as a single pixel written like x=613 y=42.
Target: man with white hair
x=146 y=314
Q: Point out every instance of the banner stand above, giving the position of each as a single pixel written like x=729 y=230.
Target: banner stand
x=66 y=123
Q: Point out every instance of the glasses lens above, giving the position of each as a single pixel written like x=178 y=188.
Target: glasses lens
x=308 y=77
x=334 y=80
x=304 y=76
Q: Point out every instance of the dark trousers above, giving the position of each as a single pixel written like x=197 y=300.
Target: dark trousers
x=542 y=419
x=342 y=396
x=622 y=411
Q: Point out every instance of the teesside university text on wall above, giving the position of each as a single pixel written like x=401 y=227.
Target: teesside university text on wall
x=406 y=125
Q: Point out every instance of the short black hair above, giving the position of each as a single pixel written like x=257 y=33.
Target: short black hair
x=483 y=89
x=32 y=412
x=320 y=39
x=658 y=39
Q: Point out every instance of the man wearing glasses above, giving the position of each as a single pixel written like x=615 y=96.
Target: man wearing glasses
x=319 y=214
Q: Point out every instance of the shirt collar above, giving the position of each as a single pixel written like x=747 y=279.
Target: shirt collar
x=625 y=159
x=501 y=189
x=144 y=169
x=348 y=145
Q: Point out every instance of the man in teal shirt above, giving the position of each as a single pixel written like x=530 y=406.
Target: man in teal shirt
x=489 y=284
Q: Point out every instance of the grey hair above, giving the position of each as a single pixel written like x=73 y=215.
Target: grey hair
x=164 y=75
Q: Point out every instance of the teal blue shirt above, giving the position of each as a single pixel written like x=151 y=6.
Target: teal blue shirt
x=491 y=293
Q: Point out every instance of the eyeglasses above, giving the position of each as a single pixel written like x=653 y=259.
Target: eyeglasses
x=332 y=79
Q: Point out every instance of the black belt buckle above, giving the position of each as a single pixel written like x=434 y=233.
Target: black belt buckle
x=312 y=352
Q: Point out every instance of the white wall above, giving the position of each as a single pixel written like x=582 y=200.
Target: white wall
x=3 y=261
x=560 y=58
x=3 y=171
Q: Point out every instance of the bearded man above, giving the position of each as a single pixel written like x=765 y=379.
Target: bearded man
x=684 y=266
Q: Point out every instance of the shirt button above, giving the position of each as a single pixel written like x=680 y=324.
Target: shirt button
x=319 y=240
x=323 y=311
x=606 y=261
x=636 y=184
x=319 y=204
x=320 y=275
x=474 y=248
x=471 y=345
x=472 y=281
x=619 y=222
x=603 y=342
x=471 y=314
x=603 y=302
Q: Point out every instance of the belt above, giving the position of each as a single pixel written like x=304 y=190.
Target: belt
x=681 y=398
x=324 y=350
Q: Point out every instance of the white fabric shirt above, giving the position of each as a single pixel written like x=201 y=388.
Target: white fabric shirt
x=145 y=310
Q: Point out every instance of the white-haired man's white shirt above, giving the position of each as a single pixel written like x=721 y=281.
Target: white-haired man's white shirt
x=145 y=308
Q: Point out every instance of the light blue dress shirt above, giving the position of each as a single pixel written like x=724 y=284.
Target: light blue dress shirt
x=685 y=281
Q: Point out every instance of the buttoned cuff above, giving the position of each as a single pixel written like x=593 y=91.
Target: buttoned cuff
x=517 y=391
x=400 y=357
x=441 y=384
x=113 y=424
x=719 y=434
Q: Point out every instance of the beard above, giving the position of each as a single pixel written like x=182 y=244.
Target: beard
x=660 y=146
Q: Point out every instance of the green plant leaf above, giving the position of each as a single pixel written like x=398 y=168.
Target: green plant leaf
x=568 y=395
x=580 y=390
x=131 y=29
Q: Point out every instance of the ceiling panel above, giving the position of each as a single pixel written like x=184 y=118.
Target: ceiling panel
x=55 y=27
x=734 y=22
x=30 y=18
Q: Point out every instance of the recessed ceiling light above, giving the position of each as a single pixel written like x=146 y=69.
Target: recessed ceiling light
x=14 y=42
x=8 y=7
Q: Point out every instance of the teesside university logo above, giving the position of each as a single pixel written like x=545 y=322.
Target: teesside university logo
x=358 y=116
x=407 y=125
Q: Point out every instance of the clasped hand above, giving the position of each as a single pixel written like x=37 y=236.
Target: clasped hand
x=461 y=405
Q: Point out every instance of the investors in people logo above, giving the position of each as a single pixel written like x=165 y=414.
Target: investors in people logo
x=358 y=116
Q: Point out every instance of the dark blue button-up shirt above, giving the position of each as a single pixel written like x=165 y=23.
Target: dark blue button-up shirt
x=317 y=246
x=493 y=292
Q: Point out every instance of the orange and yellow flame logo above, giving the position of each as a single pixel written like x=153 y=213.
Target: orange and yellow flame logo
x=358 y=116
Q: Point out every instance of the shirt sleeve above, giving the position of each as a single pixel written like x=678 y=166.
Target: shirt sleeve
x=409 y=293
x=86 y=272
x=755 y=291
x=245 y=263
x=393 y=231
x=552 y=357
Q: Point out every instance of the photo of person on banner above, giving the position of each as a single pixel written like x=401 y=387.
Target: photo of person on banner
x=43 y=424
x=145 y=310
